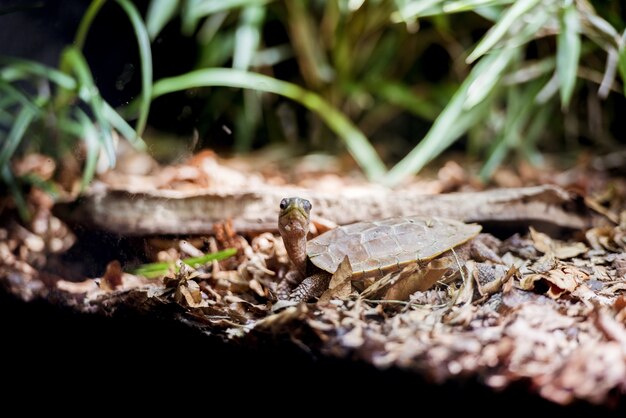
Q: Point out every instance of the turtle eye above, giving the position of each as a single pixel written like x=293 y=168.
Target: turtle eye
x=306 y=204
x=283 y=204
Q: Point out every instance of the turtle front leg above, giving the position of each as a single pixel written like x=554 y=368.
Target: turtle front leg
x=287 y=284
x=311 y=287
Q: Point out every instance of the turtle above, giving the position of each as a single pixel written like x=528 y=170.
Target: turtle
x=374 y=248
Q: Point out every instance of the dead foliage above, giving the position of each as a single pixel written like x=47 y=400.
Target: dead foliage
x=550 y=312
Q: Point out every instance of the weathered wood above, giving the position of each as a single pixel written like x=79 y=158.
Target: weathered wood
x=180 y=212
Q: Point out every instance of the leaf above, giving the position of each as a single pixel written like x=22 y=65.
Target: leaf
x=74 y=61
x=208 y=7
x=145 y=53
x=158 y=269
x=622 y=60
x=85 y=23
x=490 y=76
x=454 y=121
x=556 y=282
x=497 y=32
x=112 y=278
x=248 y=36
x=159 y=13
x=568 y=52
x=467 y=5
x=188 y=293
x=520 y=104
x=357 y=144
x=15 y=136
x=18 y=69
x=562 y=251
x=122 y=127
x=90 y=136
x=340 y=285
x=413 y=9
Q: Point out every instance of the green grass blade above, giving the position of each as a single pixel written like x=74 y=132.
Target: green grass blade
x=453 y=121
x=467 y=5
x=122 y=127
x=85 y=23
x=207 y=7
x=598 y=30
x=414 y=9
x=16 y=96
x=145 y=54
x=356 y=143
x=5 y=119
x=622 y=61
x=568 y=53
x=153 y=270
x=210 y=27
x=530 y=70
x=248 y=36
x=519 y=108
x=74 y=60
x=536 y=128
x=490 y=77
x=18 y=197
x=247 y=40
x=312 y=59
x=271 y=56
x=400 y=95
x=500 y=29
x=159 y=14
x=16 y=135
x=18 y=69
x=90 y=136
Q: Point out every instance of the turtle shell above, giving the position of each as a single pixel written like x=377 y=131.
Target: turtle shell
x=377 y=247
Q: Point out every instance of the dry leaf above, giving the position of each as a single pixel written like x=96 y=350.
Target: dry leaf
x=112 y=278
x=278 y=321
x=597 y=206
x=86 y=286
x=466 y=292
x=189 y=294
x=499 y=279
x=602 y=238
x=555 y=282
x=413 y=278
x=563 y=251
x=340 y=286
x=620 y=307
x=353 y=338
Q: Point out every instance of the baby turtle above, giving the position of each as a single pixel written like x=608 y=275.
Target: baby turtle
x=373 y=248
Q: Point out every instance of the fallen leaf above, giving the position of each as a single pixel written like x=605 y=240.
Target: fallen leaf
x=501 y=275
x=602 y=238
x=555 y=282
x=285 y=312
x=597 y=206
x=189 y=294
x=112 y=278
x=353 y=338
x=611 y=290
x=86 y=286
x=547 y=245
x=413 y=278
x=340 y=286
x=620 y=308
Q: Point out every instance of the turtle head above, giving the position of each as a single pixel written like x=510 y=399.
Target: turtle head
x=294 y=216
x=293 y=225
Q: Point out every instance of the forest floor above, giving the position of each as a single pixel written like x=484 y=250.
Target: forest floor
x=548 y=313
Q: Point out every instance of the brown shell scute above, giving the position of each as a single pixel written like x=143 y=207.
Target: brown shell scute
x=381 y=246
